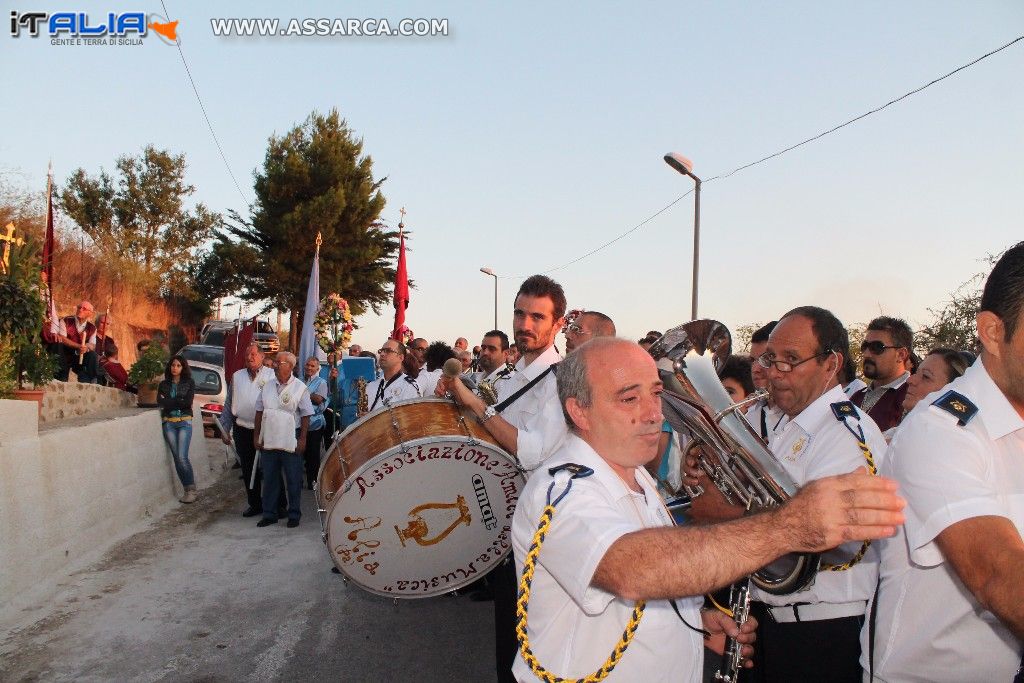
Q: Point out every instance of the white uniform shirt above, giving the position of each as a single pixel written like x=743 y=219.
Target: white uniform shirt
x=427 y=381
x=761 y=414
x=572 y=625
x=283 y=407
x=537 y=414
x=814 y=445
x=380 y=394
x=853 y=387
x=244 y=392
x=929 y=627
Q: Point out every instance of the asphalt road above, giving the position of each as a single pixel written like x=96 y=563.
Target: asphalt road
x=205 y=595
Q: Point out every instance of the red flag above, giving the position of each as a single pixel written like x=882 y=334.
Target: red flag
x=236 y=341
x=401 y=288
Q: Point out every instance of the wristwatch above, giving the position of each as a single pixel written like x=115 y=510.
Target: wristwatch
x=489 y=412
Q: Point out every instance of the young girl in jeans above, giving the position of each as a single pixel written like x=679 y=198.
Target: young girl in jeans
x=175 y=396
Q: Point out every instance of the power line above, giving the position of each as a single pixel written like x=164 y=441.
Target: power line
x=202 y=107
x=779 y=153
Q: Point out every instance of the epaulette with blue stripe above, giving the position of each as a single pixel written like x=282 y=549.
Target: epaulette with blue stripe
x=957 y=405
x=844 y=409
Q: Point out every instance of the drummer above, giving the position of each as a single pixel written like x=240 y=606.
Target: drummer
x=395 y=385
x=527 y=422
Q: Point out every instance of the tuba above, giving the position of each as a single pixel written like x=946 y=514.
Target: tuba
x=734 y=457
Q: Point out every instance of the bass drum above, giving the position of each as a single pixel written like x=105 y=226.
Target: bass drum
x=424 y=502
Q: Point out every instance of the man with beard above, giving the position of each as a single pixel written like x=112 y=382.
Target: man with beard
x=586 y=326
x=950 y=604
x=414 y=360
x=527 y=421
x=886 y=359
x=494 y=368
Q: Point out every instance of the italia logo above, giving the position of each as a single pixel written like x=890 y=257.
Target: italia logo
x=80 y=28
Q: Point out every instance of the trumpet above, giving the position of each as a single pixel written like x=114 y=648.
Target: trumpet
x=735 y=458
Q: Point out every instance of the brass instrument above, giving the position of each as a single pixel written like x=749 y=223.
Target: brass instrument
x=362 y=402
x=487 y=392
x=735 y=458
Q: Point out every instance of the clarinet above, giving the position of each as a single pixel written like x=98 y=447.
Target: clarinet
x=732 y=660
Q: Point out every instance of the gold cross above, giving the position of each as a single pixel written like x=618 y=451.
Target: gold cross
x=8 y=240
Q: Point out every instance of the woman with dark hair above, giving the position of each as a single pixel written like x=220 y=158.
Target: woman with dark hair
x=736 y=377
x=940 y=367
x=174 y=396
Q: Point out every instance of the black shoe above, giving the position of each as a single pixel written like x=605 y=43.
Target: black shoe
x=252 y=512
x=266 y=522
x=292 y=523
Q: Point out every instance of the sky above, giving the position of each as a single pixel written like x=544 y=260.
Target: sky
x=534 y=133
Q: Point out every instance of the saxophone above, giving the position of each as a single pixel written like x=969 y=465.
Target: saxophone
x=362 y=404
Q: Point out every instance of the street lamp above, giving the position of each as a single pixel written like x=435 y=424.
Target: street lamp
x=685 y=166
x=488 y=271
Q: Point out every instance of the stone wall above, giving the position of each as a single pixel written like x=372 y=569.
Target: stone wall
x=65 y=400
x=71 y=492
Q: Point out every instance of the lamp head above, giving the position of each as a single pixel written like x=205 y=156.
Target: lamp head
x=488 y=271
x=679 y=163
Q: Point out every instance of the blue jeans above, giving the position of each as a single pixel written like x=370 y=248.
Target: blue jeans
x=178 y=435
x=273 y=462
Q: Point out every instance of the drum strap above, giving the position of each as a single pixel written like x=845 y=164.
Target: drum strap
x=381 y=387
x=519 y=394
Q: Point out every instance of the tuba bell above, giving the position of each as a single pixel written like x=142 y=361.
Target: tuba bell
x=734 y=457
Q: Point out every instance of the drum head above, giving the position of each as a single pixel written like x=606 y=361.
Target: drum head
x=424 y=518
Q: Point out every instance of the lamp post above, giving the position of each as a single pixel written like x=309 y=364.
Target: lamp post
x=685 y=166
x=488 y=271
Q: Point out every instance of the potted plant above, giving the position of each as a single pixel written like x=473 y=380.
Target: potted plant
x=21 y=323
x=147 y=372
x=35 y=369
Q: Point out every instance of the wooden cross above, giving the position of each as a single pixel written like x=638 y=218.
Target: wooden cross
x=8 y=240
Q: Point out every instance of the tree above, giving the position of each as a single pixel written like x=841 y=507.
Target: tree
x=953 y=324
x=139 y=223
x=315 y=178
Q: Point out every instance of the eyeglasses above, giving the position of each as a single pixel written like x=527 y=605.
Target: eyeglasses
x=785 y=366
x=417 y=348
x=385 y=351
x=875 y=347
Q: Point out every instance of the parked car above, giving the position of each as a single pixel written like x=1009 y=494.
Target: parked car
x=204 y=353
x=211 y=392
x=216 y=331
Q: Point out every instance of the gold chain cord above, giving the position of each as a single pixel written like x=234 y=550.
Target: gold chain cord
x=862 y=443
x=521 y=607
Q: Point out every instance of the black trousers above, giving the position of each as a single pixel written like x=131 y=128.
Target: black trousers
x=505 y=584
x=807 y=651
x=246 y=449
x=311 y=456
x=86 y=370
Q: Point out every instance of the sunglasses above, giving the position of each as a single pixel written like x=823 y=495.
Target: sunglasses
x=875 y=347
x=385 y=351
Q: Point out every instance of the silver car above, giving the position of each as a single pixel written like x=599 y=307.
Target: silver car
x=211 y=392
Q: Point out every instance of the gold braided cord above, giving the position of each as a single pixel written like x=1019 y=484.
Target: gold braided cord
x=521 y=607
x=866 y=544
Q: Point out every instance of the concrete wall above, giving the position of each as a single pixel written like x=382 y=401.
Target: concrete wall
x=69 y=494
x=71 y=399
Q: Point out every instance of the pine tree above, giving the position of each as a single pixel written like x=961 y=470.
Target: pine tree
x=315 y=178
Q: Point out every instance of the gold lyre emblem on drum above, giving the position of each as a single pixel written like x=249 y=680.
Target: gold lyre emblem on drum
x=418 y=529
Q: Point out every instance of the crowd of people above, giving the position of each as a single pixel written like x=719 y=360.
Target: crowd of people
x=911 y=489
x=910 y=478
